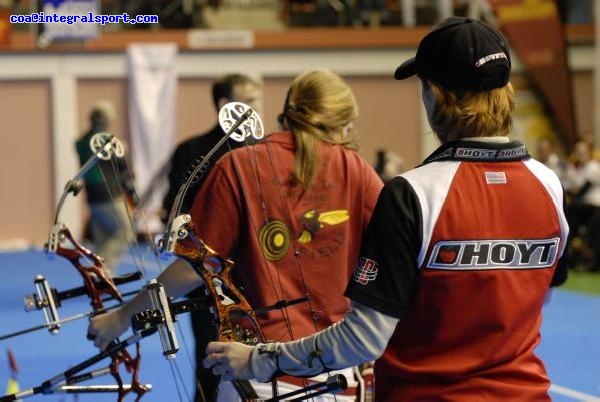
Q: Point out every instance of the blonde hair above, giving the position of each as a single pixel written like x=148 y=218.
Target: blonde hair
x=319 y=106
x=459 y=114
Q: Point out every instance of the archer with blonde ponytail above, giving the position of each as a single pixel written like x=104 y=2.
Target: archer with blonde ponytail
x=319 y=106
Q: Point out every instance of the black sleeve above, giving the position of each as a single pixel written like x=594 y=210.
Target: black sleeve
x=386 y=273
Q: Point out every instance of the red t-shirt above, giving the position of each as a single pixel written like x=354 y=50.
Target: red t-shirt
x=287 y=241
x=463 y=250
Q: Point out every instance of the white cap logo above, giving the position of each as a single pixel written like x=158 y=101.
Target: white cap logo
x=494 y=56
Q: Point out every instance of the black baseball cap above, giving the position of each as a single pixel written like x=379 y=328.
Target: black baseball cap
x=461 y=53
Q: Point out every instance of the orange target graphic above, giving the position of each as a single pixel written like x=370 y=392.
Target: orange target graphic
x=274 y=240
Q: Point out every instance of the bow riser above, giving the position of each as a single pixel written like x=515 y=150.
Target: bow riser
x=235 y=318
x=94 y=275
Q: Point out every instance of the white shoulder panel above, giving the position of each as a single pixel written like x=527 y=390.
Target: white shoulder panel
x=431 y=183
x=552 y=184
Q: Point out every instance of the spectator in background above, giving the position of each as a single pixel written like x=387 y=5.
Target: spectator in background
x=372 y=12
x=109 y=191
x=576 y=11
x=388 y=165
x=228 y=88
x=582 y=183
x=545 y=153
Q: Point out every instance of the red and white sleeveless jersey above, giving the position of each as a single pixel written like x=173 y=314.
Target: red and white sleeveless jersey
x=463 y=250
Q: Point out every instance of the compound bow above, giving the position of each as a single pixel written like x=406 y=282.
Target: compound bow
x=96 y=285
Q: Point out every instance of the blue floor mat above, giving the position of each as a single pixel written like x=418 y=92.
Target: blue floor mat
x=569 y=347
x=41 y=355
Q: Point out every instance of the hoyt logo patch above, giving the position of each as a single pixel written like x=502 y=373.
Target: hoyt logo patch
x=494 y=254
x=365 y=271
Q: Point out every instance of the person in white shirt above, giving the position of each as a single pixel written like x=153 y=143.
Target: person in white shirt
x=582 y=183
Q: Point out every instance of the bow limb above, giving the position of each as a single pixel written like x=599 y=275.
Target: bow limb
x=132 y=365
x=106 y=152
x=244 y=119
x=216 y=270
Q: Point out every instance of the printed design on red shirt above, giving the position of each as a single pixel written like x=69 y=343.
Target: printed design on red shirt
x=313 y=221
x=365 y=271
x=275 y=239
x=494 y=254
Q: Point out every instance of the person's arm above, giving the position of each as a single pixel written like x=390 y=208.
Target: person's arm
x=360 y=337
x=178 y=279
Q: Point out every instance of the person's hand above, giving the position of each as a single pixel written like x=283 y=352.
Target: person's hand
x=105 y=327
x=230 y=360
